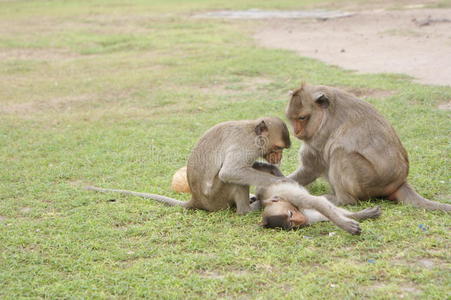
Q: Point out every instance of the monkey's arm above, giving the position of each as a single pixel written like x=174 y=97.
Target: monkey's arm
x=303 y=176
x=310 y=169
x=313 y=216
x=247 y=176
x=236 y=170
x=268 y=168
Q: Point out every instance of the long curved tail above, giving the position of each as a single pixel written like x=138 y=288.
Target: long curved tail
x=407 y=195
x=159 y=198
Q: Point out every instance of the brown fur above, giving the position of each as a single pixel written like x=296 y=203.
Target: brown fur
x=349 y=143
x=288 y=205
x=219 y=169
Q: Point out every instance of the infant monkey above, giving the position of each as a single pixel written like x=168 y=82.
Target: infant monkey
x=280 y=213
x=288 y=205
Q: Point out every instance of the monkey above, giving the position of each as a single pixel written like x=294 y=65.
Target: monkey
x=280 y=213
x=288 y=205
x=219 y=169
x=352 y=146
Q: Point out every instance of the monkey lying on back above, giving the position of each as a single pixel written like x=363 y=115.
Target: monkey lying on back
x=280 y=213
x=220 y=169
x=349 y=143
x=289 y=205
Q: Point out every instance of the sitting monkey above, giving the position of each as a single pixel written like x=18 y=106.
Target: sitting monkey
x=353 y=146
x=219 y=169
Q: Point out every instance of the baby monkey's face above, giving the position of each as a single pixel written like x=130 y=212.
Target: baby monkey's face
x=279 y=213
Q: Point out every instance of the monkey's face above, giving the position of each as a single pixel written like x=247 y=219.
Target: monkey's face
x=306 y=111
x=279 y=213
x=274 y=156
x=272 y=138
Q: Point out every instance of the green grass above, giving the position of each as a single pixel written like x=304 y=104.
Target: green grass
x=116 y=94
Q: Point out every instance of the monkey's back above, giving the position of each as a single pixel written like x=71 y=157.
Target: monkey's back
x=369 y=140
x=206 y=160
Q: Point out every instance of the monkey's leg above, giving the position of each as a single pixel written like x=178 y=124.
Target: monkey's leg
x=314 y=216
x=329 y=210
x=240 y=195
x=343 y=180
x=368 y=213
x=256 y=205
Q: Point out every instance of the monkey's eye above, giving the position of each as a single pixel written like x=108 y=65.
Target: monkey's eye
x=290 y=213
x=303 y=118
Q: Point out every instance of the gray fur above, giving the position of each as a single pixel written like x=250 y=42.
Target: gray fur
x=315 y=208
x=352 y=146
x=220 y=169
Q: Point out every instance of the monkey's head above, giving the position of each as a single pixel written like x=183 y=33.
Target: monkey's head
x=308 y=109
x=272 y=137
x=279 y=213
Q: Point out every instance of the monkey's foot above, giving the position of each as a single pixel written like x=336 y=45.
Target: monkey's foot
x=368 y=213
x=351 y=226
x=256 y=205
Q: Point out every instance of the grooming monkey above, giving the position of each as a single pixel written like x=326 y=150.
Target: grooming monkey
x=349 y=143
x=220 y=169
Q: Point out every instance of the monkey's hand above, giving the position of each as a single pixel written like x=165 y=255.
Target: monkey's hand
x=286 y=180
x=268 y=168
x=246 y=176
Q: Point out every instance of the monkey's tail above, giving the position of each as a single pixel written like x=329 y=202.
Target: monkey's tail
x=407 y=195
x=159 y=198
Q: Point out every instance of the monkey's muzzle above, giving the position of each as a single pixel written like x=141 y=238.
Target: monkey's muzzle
x=273 y=157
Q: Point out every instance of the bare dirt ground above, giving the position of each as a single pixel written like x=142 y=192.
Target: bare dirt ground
x=413 y=41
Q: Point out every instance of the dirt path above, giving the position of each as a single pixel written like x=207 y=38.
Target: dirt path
x=376 y=41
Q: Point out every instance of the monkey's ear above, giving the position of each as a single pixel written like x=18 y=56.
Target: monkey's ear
x=261 y=128
x=322 y=100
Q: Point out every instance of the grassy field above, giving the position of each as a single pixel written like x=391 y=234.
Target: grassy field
x=116 y=93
